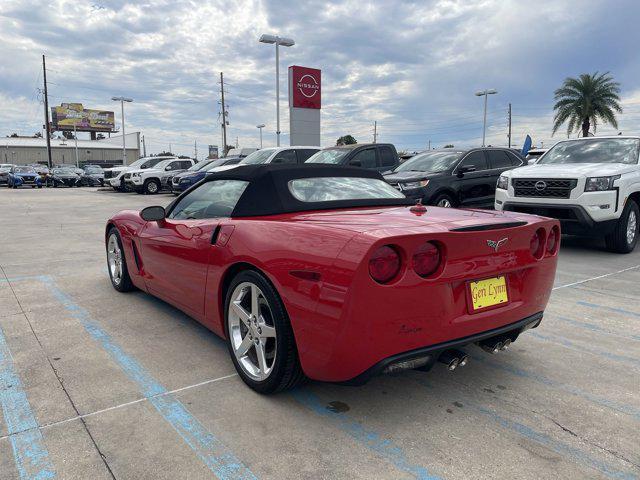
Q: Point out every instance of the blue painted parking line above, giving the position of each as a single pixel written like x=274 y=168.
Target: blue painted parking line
x=565 y=342
x=591 y=326
x=29 y=450
x=543 y=380
x=372 y=440
x=611 y=309
x=579 y=456
x=215 y=455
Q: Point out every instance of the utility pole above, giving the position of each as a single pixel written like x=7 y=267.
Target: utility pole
x=509 y=125
x=375 y=131
x=224 y=118
x=46 y=114
x=195 y=150
x=144 y=147
x=429 y=145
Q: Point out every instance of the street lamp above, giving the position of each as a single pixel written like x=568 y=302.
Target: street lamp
x=124 y=146
x=485 y=93
x=260 y=127
x=285 y=42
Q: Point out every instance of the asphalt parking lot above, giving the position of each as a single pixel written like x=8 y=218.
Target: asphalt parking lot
x=96 y=384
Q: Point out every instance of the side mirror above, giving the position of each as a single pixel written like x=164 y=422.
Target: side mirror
x=355 y=163
x=153 y=214
x=466 y=169
x=167 y=168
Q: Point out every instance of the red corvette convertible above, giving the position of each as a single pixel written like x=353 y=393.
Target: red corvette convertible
x=330 y=273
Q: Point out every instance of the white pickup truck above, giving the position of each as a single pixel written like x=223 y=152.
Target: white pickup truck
x=592 y=185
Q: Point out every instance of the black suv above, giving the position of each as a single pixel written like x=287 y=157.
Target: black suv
x=374 y=156
x=454 y=178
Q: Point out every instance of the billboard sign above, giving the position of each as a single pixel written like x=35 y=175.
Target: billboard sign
x=65 y=116
x=305 y=87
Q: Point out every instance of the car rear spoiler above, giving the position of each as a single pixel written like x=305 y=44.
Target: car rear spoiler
x=490 y=226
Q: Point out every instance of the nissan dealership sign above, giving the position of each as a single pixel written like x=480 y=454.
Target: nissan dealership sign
x=305 y=87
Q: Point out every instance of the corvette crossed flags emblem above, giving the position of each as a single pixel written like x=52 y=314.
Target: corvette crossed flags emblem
x=496 y=244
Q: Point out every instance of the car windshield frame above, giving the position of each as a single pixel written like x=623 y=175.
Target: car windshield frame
x=559 y=154
x=329 y=156
x=258 y=157
x=411 y=165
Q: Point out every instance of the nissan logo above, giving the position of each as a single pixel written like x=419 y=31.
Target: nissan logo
x=308 y=86
x=540 y=185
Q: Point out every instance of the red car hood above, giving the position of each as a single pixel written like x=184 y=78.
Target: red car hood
x=440 y=219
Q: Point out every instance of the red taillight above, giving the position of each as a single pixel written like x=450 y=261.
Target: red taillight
x=553 y=242
x=427 y=259
x=537 y=243
x=384 y=264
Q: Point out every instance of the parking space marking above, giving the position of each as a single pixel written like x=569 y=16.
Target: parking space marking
x=565 y=342
x=536 y=377
x=132 y=402
x=591 y=326
x=29 y=451
x=384 y=447
x=611 y=309
x=214 y=454
x=580 y=282
x=543 y=439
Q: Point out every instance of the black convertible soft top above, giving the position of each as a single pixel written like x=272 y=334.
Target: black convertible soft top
x=268 y=191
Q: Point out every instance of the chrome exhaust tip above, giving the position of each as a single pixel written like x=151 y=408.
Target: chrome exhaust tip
x=505 y=344
x=453 y=359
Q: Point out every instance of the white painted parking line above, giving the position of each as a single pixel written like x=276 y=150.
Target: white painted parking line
x=596 y=278
x=133 y=402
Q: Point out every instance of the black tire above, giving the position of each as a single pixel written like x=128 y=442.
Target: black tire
x=125 y=284
x=151 y=186
x=445 y=200
x=286 y=371
x=617 y=240
x=39 y=186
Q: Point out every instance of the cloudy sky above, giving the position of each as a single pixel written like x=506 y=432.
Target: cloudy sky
x=411 y=66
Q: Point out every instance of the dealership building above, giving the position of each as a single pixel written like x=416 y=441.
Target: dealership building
x=108 y=151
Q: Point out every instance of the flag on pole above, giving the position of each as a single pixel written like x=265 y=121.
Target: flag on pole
x=527 y=146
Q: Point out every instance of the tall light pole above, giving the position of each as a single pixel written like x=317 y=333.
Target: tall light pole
x=260 y=127
x=485 y=94
x=75 y=137
x=124 y=144
x=285 y=42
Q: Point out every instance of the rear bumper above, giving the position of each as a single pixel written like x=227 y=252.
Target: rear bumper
x=574 y=219
x=432 y=352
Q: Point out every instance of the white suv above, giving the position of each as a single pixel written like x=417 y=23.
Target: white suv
x=149 y=180
x=115 y=176
x=592 y=185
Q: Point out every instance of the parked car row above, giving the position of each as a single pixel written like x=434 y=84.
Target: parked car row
x=15 y=176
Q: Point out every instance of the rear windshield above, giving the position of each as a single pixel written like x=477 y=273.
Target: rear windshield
x=327 y=189
x=330 y=155
x=596 y=150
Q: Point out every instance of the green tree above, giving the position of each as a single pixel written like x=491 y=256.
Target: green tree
x=346 y=140
x=585 y=101
x=449 y=145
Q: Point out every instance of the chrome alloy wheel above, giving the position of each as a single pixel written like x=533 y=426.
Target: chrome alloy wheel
x=444 y=203
x=152 y=187
x=114 y=258
x=252 y=331
x=632 y=227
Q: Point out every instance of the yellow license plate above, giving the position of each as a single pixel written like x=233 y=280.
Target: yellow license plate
x=488 y=292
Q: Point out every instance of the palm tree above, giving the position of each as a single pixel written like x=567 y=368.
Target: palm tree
x=585 y=100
